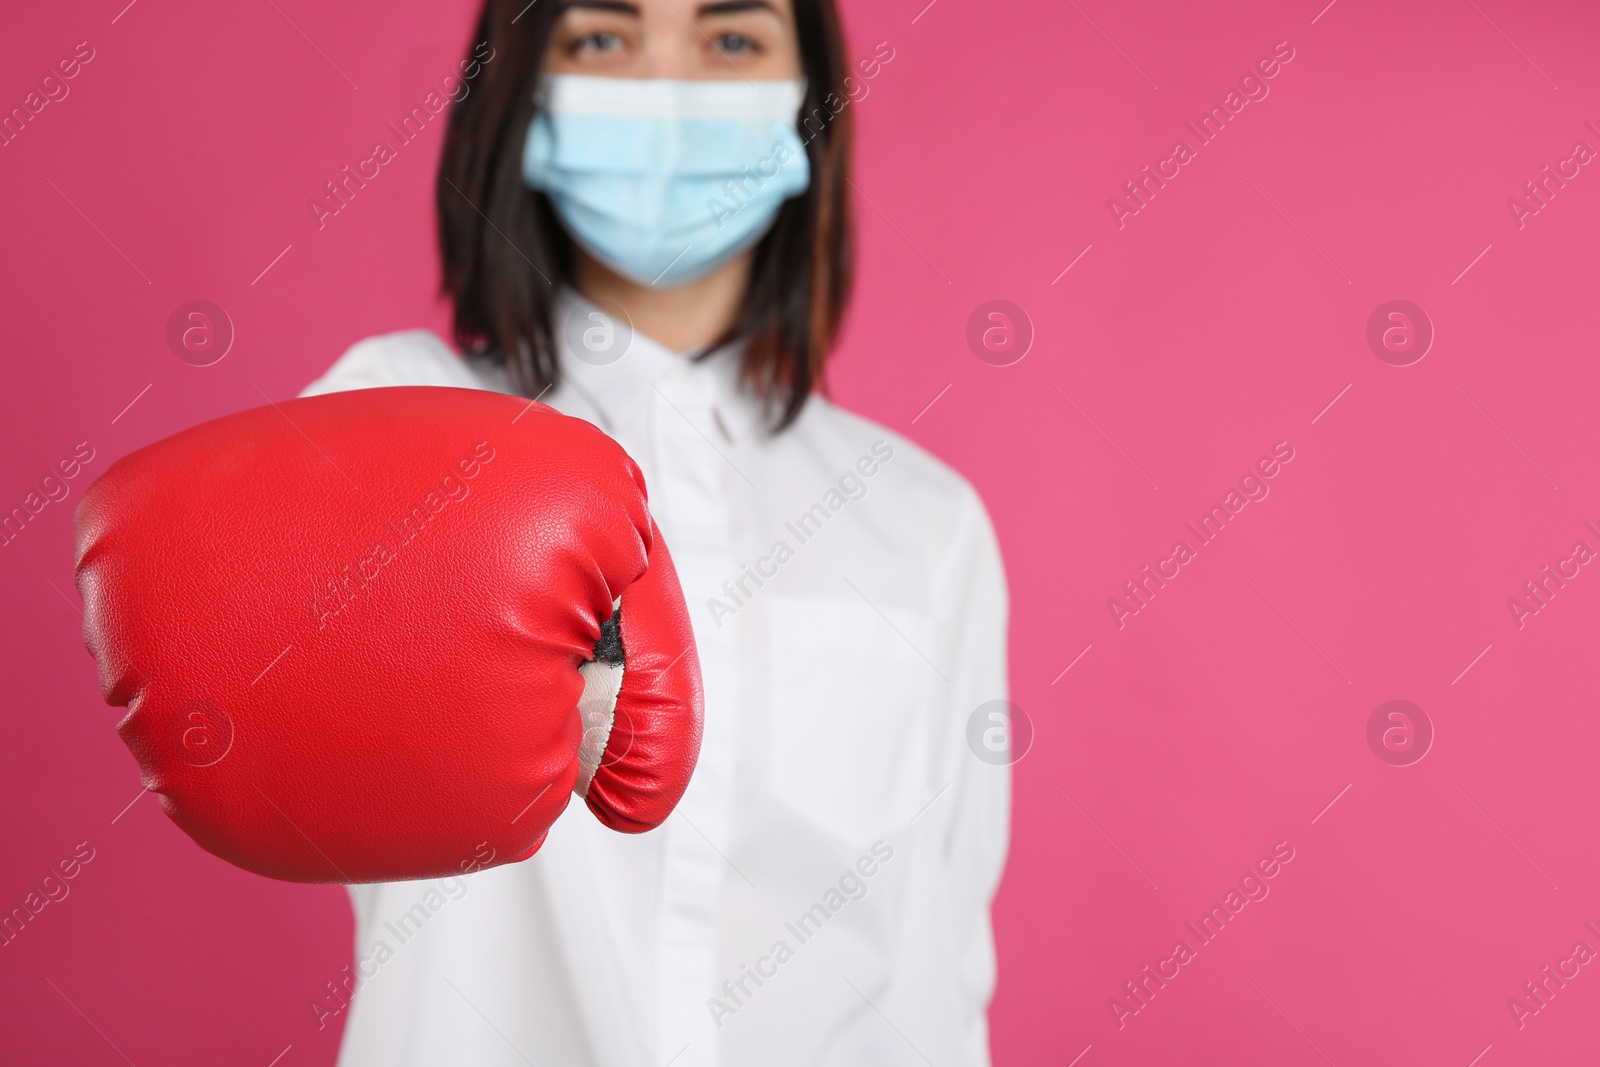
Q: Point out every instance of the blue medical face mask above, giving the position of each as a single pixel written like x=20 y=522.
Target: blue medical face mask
x=665 y=180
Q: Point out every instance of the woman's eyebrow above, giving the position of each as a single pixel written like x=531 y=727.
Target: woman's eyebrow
x=733 y=7
x=620 y=7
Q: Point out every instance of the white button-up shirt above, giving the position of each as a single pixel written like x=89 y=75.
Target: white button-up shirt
x=821 y=894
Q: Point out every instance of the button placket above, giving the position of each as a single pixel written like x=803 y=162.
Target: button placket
x=696 y=518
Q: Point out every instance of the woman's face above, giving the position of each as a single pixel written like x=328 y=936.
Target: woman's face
x=753 y=39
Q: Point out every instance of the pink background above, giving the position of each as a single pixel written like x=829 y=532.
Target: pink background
x=1223 y=318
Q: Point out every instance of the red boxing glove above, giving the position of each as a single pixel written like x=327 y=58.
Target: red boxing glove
x=353 y=632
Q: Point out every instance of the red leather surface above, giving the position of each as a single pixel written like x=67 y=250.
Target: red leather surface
x=347 y=629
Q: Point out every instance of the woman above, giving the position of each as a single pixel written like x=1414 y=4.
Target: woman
x=644 y=224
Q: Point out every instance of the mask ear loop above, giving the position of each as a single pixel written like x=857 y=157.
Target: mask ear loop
x=800 y=105
x=545 y=88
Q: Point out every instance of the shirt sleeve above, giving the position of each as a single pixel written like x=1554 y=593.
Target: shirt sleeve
x=412 y=357
x=977 y=821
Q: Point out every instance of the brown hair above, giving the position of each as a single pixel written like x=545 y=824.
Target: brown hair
x=504 y=251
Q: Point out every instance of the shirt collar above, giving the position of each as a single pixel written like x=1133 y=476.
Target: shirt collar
x=618 y=389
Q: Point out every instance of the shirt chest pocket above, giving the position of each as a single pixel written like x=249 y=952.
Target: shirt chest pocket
x=854 y=709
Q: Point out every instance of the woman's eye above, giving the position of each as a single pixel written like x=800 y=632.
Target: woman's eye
x=734 y=44
x=602 y=41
